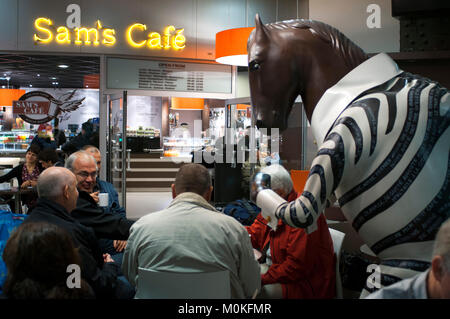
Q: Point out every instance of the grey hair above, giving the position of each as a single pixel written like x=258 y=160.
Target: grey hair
x=51 y=182
x=279 y=178
x=442 y=244
x=90 y=149
x=80 y=154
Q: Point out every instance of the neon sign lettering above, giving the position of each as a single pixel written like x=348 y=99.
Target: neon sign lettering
x=136 y=35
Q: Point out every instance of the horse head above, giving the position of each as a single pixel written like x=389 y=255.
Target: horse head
x=291 y=58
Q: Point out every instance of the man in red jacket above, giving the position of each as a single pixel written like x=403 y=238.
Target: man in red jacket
x=298 y=265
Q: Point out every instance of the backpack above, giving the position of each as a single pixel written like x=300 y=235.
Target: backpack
x=8 y=223
x=243 y=210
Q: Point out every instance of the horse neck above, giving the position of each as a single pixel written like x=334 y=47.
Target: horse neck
x=324 y=71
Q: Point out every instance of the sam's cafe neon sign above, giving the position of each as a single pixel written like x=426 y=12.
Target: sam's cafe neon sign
x=136 y=35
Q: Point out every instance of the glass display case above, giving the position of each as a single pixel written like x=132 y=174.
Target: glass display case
x=142 y=140
x=15 y=141
x=182 y=147
x=146 y=132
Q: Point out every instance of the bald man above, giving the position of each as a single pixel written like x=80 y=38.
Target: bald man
x=192 y=236
x=57 y=190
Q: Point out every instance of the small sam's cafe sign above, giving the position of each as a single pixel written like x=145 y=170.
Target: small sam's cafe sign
x=39 y=107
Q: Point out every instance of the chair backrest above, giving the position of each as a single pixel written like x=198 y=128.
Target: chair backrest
x=338 y=239
x=299 y=178
x=174 y=285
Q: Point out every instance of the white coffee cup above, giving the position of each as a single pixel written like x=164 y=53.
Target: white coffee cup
x=103 y=199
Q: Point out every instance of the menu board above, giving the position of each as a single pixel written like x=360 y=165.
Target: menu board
x=168 y=76
x=144 y=111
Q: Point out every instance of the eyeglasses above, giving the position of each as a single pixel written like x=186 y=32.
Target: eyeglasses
x=85 y=175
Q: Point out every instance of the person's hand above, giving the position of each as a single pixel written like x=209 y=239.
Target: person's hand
x=95 y=196
x=107 y=258
x=119 y=245
x=25 y=184
x=32 y=183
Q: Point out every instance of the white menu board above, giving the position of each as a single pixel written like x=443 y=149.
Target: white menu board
x=144 y=111
x=168 y=76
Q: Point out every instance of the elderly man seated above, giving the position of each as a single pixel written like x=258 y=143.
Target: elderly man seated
x=105 y=223
x=433 y=283
x=192 y=236
x=57 y=188
x=294 y=264
x=113 y=247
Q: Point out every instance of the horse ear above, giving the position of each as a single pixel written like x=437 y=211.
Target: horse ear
x=261 y=33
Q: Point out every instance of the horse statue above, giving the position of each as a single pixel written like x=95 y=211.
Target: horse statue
x=383 y=136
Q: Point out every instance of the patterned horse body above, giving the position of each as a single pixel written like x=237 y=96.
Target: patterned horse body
x=383 y=136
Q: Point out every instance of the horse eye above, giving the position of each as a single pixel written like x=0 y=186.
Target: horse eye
x=254 y=66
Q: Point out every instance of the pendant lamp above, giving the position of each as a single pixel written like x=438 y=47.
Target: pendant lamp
x=231 y=46
x=7 y=96
x=181 y=103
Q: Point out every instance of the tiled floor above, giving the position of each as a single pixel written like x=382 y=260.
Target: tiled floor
x=140 y=204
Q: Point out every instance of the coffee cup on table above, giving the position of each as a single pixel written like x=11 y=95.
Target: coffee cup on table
x=103 y=199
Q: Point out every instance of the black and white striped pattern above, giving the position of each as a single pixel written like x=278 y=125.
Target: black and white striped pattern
x=387 y=160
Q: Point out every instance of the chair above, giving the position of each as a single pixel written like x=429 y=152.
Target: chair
x=299 y=178
x=174 y=285
x=338 y=239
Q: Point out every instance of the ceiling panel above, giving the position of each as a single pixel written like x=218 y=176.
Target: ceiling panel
x=42 y=71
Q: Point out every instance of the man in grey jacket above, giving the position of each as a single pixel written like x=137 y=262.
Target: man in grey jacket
x=191 y=236
x=433 y=283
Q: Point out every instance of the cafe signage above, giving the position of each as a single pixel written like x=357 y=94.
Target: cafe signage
x=39 y=107
x=137 y=35
x=31 y=107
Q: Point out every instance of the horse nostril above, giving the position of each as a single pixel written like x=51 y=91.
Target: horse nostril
x=259 y=124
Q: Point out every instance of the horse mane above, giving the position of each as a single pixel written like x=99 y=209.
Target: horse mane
x=353 y=55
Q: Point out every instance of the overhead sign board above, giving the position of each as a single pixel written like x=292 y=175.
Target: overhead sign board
x=168 y=76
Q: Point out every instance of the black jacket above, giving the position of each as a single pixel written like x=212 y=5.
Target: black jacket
x=104 y=223
x=76 y=143
x=101 y=276
x=16 y=172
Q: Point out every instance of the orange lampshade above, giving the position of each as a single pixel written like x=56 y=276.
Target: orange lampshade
x=7 y=96
x=231 y=46
x=242 y=106
x=183 y=103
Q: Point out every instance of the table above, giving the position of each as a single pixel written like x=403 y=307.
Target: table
x=17 y=193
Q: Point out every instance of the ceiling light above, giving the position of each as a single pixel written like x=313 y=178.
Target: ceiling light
x=53 y=78
x=38 y=75
x=31 y=85
x=63 y=66
x=231 y=46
